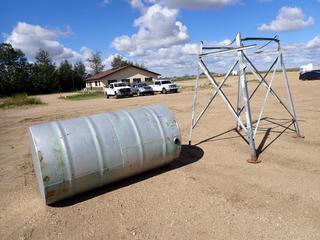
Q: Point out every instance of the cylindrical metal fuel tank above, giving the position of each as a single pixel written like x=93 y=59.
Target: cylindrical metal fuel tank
x=76 y=155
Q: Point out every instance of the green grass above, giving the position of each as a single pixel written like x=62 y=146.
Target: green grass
x=85 y=96
x=19 y=100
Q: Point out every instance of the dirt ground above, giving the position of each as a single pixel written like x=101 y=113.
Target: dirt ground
x=210 y=192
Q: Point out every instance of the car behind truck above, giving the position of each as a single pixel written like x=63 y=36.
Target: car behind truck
x=164 y=86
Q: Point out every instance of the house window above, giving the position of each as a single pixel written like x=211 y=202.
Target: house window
x=148 y=79
x=136 y=80
x=111 y=81
x=126 y=81
x=95 y=83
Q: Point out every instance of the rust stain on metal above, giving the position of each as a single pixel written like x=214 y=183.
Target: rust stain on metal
x=50 y=193
x=40 y=156
x=46 y=179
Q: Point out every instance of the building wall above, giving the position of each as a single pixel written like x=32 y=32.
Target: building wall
x=94 y=85
x=129 y=75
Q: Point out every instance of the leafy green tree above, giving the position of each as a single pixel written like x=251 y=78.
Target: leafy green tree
x=43 y=57
x=19 y=76
x=96 y=63
x=44 y=74
x=119 y=62
x=65 y=76
x=13 y=75
x=80 y=75
x=141 y=65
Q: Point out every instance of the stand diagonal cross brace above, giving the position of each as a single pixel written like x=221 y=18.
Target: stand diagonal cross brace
x=244 y=62
x=215 y=93
x=266 y=84
x=260 y=82
x=219 y=91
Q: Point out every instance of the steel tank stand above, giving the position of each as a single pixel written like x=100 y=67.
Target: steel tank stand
x=242 y=61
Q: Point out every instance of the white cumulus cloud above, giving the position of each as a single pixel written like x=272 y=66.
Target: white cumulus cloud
x=182 y=59
x=314 y=43
x=162 y=42
x=191 y=4
x=142 y=5
x=30 y=38
x=157 y=27
x=105 y=2
x=108 y=60
x=138 y=4
x=288 y=19
x=297 y=54
x=173 y=60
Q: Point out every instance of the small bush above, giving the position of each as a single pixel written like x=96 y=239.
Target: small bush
x=19 y=100
x=84 y=96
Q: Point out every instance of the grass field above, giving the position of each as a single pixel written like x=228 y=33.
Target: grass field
x=19 y=100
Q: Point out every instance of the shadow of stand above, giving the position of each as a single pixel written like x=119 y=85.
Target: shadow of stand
x=261 y=148
x=189 y=155
x=266 y=131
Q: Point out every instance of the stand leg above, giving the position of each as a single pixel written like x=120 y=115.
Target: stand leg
x=194 y=105
x=293 y=111
x=238 y=127
x=244 y=88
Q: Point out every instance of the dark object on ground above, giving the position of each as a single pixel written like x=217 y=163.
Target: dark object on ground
x=311 y=75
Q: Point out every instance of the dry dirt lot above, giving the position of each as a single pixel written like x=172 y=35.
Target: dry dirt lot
x=210 y=192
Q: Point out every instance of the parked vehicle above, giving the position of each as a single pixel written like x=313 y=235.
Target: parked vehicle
x=309 y=67
x=164 y=86
x=141 y=89
x=310 y=75
x=118 y=89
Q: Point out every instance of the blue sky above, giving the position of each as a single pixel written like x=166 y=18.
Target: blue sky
x=161 y=34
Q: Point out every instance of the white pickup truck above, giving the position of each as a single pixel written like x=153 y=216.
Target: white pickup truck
x=164 y=86
x=118 y=89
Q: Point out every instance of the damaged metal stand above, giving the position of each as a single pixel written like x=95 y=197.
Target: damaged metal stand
x=243 y=62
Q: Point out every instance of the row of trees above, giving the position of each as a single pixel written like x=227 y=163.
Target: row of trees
x=17 y=75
